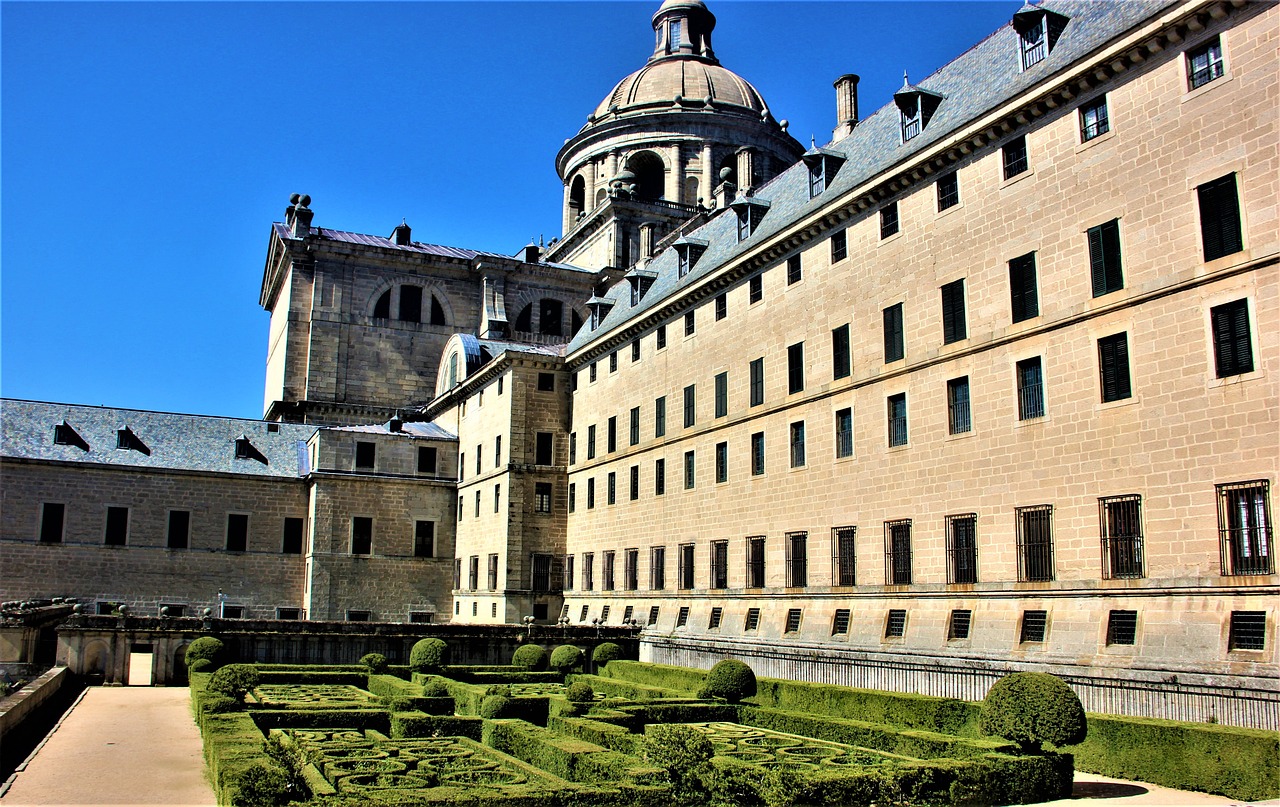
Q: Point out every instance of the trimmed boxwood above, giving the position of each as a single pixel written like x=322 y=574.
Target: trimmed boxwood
x=729 y=680
x=530 y=657
x=1031 y=709
x=566 y=757
x=427 y=655
x=605 y=653
x=417 y=724
x=376 y=662
x=566 y=658
x=233 y=681
x=206 y=648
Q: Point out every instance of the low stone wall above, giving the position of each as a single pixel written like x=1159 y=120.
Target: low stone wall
x=23 y=708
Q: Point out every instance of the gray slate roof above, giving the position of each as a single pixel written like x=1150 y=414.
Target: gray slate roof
x=175 y=442
x=428 y=431
x=979 y=80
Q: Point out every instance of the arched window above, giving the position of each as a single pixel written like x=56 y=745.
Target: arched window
x=453 y=370
x=575 y=322
x=650 y=174
x=550 y=317
x=577 y=197
x=410 y=304
x=437 y=312
x=690 y=191
x=524 y=322
x=600 y=195
x=382 y=308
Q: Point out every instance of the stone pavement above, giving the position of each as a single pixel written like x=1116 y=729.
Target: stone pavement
x=118 y=746
x=139 y=745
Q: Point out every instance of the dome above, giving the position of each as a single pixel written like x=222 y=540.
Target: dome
x=659 y=83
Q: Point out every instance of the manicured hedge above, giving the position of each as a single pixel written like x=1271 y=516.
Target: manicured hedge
x=608 y=735
x=566 y=757
x=268 y=719
x=693 y=712
x=664 y=676
x=628 y=689
x=1238 y=763
x=510 y=676
x=310 y=668
x=358 y=677
x=419 y=724
x=908 y=742
x=232 y=744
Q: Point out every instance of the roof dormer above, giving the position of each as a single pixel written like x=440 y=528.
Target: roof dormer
x=915 y=107
x=823 y=165
x=599 y=308
x=688 y=251
x=1038 y=31
x=640 y=280
x=750 y=211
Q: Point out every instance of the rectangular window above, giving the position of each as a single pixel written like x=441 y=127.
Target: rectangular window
x=1248 y=630
x=1113 y=365
x=753 y=619
x=1093 y=119
x=1220 y=217
x=1035 y=626
x=1122 y=627
x=607 y=576
x=1035 y=543
x=797 y=444
x=611 y=488
x=690 y=398
x=592 y=371
x=688 y=470
x=1204 y=64
x=685 y=567
x=757 y=381
x=365 y=455
x=793 y=270
x=717 y=614
x=959 y=623
x=657 y=568
x=962 y=549
x=1030 y=389
x=895 y=625
x=237 y=532
x=897 y=552
x=1015 y=157
x=568 y=578
x=755 y=561
x=426 y=460
x=660 y=416
x=894 y=348
x=1105 y=269
x=958 y=418
x=719 y=564
x=635 y=350
x=591 y=442
x=52 y=520
x=613 y=362
x=179 y=533
x=588 y=575
x=889 y=220
x=797 y=559
x=844 y=433
x=591 y=493
x=1024 y=299
x=755 y=289
x=573 y=491
x=839 y=246
x=477 y=504
x=473 y=574
x=292 y=539
x=497 y=451
x=546 y=382
x=611 y=435
x=544 y=448
x=722 y=462
x=633 y=435
x=954 y=327
x=424 y=539
x=1245 y=534
x=682 y=616
x=634 y=492
x=843 y=556
x=660 y=337
x=793 y=620
x=722 y=394
x=582 y=616
x=361 y=535
x=841 y=364
x=948 y=191
x=1232 y=348
x=840 y=624
x=757 y=454
x=493 y=572
x=117 y=527
x=631 y=569
x=795 y=368
x=411 y=303
x=461 y=506
x=457 y=578
x=722 y=306
x=1034 y=45
x=897 y=419
x=479 y=459
x=689 y=324
x=659 y=477
x=541 y=580
x=573 y=448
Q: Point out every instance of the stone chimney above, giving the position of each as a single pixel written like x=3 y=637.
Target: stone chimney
x=401 y=234
x=531 y=252
x=298 y=215
x=726 y=191
x=846 y=106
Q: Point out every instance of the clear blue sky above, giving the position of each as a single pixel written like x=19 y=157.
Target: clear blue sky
x=147 y=147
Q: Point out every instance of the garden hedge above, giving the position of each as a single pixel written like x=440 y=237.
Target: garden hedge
x=357 y=677
x=567 y=757
x=418 y=724
x=627 y=689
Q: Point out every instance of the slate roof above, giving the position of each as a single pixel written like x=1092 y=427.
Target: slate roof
x=175 y=442
x=411 y=429
x=979 y=80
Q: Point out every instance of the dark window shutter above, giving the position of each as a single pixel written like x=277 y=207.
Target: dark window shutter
x=1104 y=258
x=1113 y=354
x=1233 y=354
x=1024 y=303
x=953 y=323
x=893 y=348
x=1220 y=217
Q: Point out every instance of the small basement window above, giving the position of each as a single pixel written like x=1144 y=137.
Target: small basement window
x=753 y=619
x=793 y=620
x=682 y=618
x=895 y=626
x=653 y=614
x=1248 y=630
x=1035 y=626
x=840 y=624
x=1122 y=627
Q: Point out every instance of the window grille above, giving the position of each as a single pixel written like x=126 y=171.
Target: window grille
x=608 y=572
x=714 y=622
x=1245 y=533
x=657 y=568
x=719 y=564
x=653 y=614
x=1034 y=626
x=755 y=561
x=839 y=246
x=898 y=419
x=1248 y=630
x=1014 y=156
x=959 y=624
x=797 y=445
x=948 y=191
x=682 y=618
x=1204 y=64
x=582 y=617
x=1113 y=365
x=588 y=571
x=689 y=470
x=631 y=569
x=757 y=454
x=1232 y=347
x=844 y=433
x=910 y=125
x=958 y=417
x=493 y=573
x=1035 y=543
x=962 y=549
x=1122 y=627
x=722 y=462
x=1120 y=520
x=793 y=620
x=840 y=624
x=1093 y=119
x=843 y=556
x=1030 y=389
x=1035 y=45
x=686 y=567
x=897 y=553
x=604 y=614
x=889 y=215
x=895 y=626
x=722 y=306
x=659 y=477
x=794 y=271
x=753 y=619
x=797 y=559
x=1220 y=217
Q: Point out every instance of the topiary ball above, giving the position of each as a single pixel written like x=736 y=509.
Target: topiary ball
x=729 y=680
x=376 y=662
x=605 y=653
x=234 y=681
x=200 y=665
x=435 y=688
x=580 y=692
x=206 y=648
x=427 y=655
x=531 y=657
x=1031 y=708
x=495 y=706
x=566 y=658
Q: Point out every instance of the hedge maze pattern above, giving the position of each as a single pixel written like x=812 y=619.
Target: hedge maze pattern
x=768 y=749
x=312 y=696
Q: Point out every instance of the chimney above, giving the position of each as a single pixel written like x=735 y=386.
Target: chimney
x=846 y=106
x=726 y=191
x=647 y=240
x=300 y=215
x=400 y=235
x=531 y=252
x=395 y=425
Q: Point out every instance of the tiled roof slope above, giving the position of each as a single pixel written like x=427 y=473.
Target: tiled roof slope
x=982 y=78
x=409 y=429
x=175 y=442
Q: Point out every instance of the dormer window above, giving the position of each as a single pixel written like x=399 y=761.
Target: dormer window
x=1038 y=31
x=688 y=251
x=65 y=435
x=599 y=308
x=915 y=108
x=750 y=211
x=823 y=165
x=640 y=280
x=246 y=450
x=128 y=441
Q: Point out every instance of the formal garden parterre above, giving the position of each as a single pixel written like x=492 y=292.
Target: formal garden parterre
x=543 y=732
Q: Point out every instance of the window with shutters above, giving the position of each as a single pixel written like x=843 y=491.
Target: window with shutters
x=690 y=477
x=959 y=420
x=1024 y=299
x=844 y=433
x=1104 y=258
x=492 y=569
x=721 y=395
x=954 y=327
x=473 y=573
x=897 y=419
x=755 y=561
x=607 y=571
x=660 y=417
x=797 y=445
x=684 y=570
x=1030 y=389
x=839 y=246
x=682 y=617
x=1220 y=217
x=948 y=191
x=795 y=368
x=719 y=564
x=1014 y=157
x=1204 y=64
x=1245 y=534
x=844 y=556
x=1094 y=120
x=690 y=403
x=634 y=492
x=722 y=462
x=897 y=552
x=657 y=568
x=631 y=569
x=1035 y=543
x=1113 y=365
x=717 y=614
x=1232 y=345
x=841 y=363
x=797 y=546
x=962 y=549
x=633 y=434
x=611 y=435
x=591 y=441
x=654 y=610
x=757 y=381
x=757 y=454
x=659 y=477
x=894 y=348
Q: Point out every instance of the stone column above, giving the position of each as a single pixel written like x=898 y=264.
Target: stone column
x=709 y=178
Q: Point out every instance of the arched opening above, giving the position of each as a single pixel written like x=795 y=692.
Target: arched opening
x=650 y=174
x=690 y=191
x=577 y=197
x=550 y=317
x=437 y=312
x=600 y=195
x=410 y=304
x=179 y=675
x=524 y=321
x=382 y=308
x=575 y=323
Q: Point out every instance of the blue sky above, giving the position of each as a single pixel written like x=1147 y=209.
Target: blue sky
x=148 y=146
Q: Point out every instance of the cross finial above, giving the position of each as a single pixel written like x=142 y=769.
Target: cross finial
x=904 y=79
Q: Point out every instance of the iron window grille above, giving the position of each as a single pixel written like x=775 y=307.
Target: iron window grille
x=634 y=492
x=844 y=432
x=954 y=327
x=660 y=417
x=897 y=552
x=1113 y=365
x=1035 y=625
x=719 y=564
x=894 y=348
x=839 y=246
x=794 y=271
x=568 y=577
x=797 y=445
x=959 y=624
x=631 y=569
x=1120 y=522
x=690 y=323
x=722 y=306
x=1030 y=389
x=682 y=618
x=752 y=621
x=1093 y=119
x=657 y=568
x=889 y=220
x=948 y=191
x=685 y=571
x=633 y=431
x=611 y=488
x=588 y=571
x=1248 y=630
x=714 y=622
x=840 y=624
x=1204 y=64
x=1122 y=627
x=1014 y=155
x=757 y=454
x=1024 y=300
x=654 y=610
x=473 y=572
x=755 y=289
x=1245 y=533
x=797 y=559
x=793 y=620
x=722 y=462
x=895 y=626
x=689 y=467
x=1035 y=543
x=608 y=579
x=1220 y=217
x=795 y=368
x=962 y=549
x=544 y=576
x=844 y=556
x=659 y=477
x=959 y=420
x=1232 y=347
x=841 y=363
x=755 y=561
x=721 y=394
x=898 y=419
x=757 y=381
x=1105 y=269
x=635 y=350
x=660 y=337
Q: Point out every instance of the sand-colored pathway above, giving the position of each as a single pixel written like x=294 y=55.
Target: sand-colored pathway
x=118 y=746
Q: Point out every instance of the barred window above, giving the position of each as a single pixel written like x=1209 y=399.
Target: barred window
x=898 y=419
x=608 y=572
x=568 y=578
x=895 y=625
x=1204 y=64
x=1093 y=119
x=1035 y=543
x=755 y=289
x=631 y=569
x=959 y=624
x=794 y=272
x=840 y=625
x=797 y=559
x=1035 y=625
x=959 y=420
x=844 y=556
x=719 y=564
x=543 y=578
x=839 y=246
x=717 y=614
x=755 y=561
x=588 y=573
x=1120 y=522
x=1030 y=389
x=844 y=432
x=689 y=470
x=797 y=445
x=757 y=454
x=473 y=572
x=793 y=620
x=659 y=477
x=897 y=552
x=722 y=462
x=1014 y=156
x=1245 y=528
x=492 y=569
x=889 y=213
x=1122 y=628
x=682 y=618
x=962 y=549
x=685 y=571
x=657 y=568
x=634 y=493
x=948 y=191
x=753 y=619
x=1248 y=630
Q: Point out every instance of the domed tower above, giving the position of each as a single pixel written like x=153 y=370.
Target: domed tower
x=664 y=145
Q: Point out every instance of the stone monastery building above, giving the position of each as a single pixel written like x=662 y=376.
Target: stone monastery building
x=987 y=382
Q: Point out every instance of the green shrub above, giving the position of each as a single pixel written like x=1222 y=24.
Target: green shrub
x=605 y=653
x=234 y=681
x=531 y=657
x=376 y=662
x=580 y=692
x=685 y=754
x=206 y=648
x=219 y=704
x=566 y=658
x=200 y=665
x=729 y=680
x=495 y=706
x=435 y=688
x=1033 y=708
x=427 y=655
x=258 y=785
